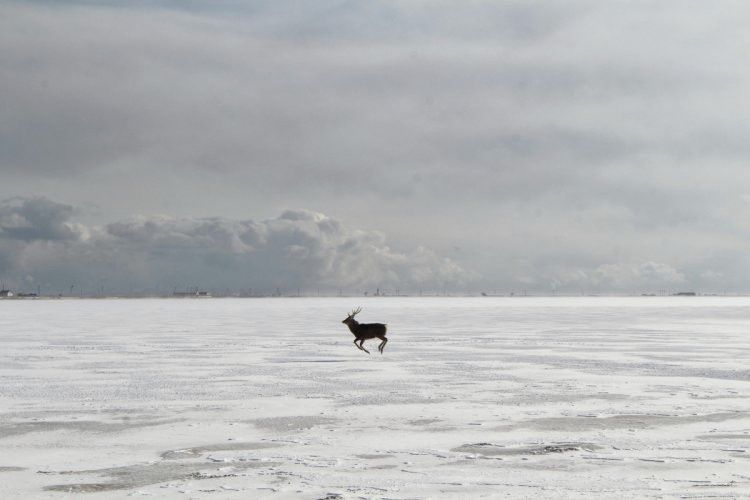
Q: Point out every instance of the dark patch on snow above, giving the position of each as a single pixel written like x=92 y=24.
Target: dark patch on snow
x=313 y=361
x=390 y=399
x=20 y=428
x=492 y=450
x=292 y=424
x=638 y=421
x=383 y=467
x=199 y=450
x=423 y=421
x=11 y=469
x=709 y=437
x=136 y=476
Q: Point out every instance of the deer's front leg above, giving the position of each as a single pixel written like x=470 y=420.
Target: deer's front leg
x=362 y=347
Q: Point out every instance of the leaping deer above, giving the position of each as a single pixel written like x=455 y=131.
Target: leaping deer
x=364 y=331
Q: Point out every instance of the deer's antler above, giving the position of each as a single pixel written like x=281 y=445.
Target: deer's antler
x=355 y=312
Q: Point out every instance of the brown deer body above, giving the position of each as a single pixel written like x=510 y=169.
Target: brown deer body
x=365 y=331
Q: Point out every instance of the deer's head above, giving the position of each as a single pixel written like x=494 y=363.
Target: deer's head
x=350 y=319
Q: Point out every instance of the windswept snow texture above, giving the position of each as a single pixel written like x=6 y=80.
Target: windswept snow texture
x=269 y=398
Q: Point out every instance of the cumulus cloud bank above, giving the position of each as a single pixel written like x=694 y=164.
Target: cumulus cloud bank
x=39 y=244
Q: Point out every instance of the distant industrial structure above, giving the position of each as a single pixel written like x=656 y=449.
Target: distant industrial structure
x=9 y=294
x=191 y=292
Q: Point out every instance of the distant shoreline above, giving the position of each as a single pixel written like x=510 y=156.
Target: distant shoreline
x=424 y=296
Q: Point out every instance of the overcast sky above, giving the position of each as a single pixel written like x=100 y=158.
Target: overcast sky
x=470 y=145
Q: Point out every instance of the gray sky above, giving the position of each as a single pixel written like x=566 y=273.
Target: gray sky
x=571 y=146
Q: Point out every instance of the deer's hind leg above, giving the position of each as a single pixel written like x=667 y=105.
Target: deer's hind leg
x=382 y=344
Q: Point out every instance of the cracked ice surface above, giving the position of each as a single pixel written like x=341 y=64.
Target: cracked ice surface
x=268 y=398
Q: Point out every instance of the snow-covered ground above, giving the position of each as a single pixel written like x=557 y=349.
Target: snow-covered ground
x=474 y=397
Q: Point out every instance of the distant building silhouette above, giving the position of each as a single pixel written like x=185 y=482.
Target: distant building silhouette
x=192 y=292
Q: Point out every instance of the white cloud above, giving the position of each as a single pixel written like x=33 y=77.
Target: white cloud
x=646 y=275
x=298 y=249
x=38 y=219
